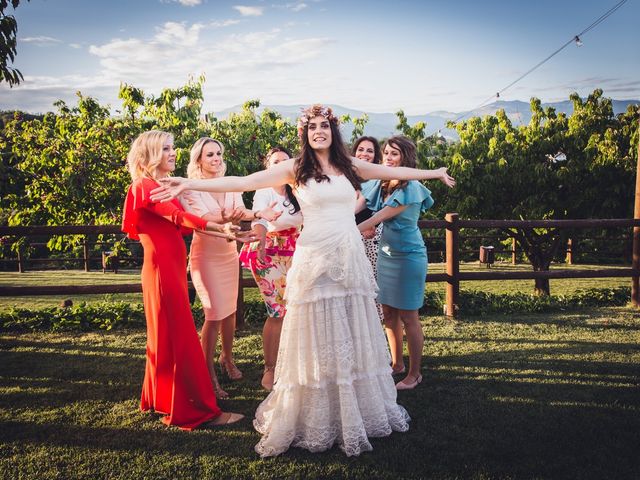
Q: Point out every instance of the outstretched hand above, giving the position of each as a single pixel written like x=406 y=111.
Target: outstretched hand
x=445 y=178
x=269 y=214
x=169 y=189
x=234 y=216
x=245 y=237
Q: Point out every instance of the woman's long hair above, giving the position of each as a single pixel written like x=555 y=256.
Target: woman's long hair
x=194 y=169
x=377 y=153
x=408 y=154
x=307 y=165
x=146 y=153
x=291 y=200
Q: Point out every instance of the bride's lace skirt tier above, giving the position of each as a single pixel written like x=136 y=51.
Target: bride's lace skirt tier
x=333 y=379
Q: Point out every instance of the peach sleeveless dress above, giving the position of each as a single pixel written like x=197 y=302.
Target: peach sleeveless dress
x=214 y=261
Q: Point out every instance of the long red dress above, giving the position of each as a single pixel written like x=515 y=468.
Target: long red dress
x=176 y=380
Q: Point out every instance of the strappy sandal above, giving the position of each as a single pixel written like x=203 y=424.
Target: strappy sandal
x=217 y=389
x=267 y=378
x=230 y=369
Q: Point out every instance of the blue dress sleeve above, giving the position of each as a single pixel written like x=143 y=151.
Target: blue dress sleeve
x=414 y=192
x=373 y=195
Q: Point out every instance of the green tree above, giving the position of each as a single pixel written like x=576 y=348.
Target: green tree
x=556 y=167
x=8 y=32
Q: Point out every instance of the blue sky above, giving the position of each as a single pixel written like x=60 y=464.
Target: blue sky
x=377 y=56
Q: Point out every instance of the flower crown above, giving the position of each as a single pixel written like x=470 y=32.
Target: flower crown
x=316 y=110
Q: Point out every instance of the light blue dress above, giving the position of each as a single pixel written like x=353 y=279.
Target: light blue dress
x=402 y=255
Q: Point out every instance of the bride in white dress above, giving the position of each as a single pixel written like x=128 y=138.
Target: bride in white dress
x=333 y=382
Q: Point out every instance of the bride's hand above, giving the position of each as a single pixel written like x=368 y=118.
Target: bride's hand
x=445 y=178
x=169 y=189
x=245 y=237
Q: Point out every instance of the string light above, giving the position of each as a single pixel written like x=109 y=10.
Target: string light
x=575 y=38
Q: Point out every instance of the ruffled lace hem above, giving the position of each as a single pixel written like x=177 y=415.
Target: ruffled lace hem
x=333 y=382
x=317 y=419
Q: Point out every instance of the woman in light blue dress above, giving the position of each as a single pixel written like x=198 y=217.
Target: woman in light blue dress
x=402 y=257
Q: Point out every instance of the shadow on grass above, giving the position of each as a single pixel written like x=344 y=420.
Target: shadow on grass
x=147 y=438
x=530 y=408
x=575 y=319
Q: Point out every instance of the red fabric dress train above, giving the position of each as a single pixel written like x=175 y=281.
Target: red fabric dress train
x=176 y=380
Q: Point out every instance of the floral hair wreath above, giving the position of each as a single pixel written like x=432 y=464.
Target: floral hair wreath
x=316 y=110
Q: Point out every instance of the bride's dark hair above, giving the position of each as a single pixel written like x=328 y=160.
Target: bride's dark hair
x=307 y=165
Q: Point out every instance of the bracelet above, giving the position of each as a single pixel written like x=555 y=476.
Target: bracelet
x=255 y=215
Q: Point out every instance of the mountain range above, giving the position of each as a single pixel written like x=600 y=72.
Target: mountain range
x=383 y=125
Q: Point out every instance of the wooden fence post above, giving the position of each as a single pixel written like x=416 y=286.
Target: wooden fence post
x=85 y=254
x=20 y=262
x=514 y=252
x=453 y=265
x=569 y=257
x=635 y=262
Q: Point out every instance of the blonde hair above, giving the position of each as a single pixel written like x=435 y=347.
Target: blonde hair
x=146 y=153
x=194 y=169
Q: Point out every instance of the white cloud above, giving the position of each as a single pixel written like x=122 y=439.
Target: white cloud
x=173 y=33
x=186 y=3
x=75 y=45
x=246 y=11
x=41 y=41
x=272 y=65
x=293 y=6
x=224 y=23
x=177 y=51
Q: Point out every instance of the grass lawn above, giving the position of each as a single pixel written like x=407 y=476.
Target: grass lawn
x=524 y=396
x=77 y=277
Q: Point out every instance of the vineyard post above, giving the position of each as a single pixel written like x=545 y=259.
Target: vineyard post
x=85 y=254
x=635 y=264
x=453 y=265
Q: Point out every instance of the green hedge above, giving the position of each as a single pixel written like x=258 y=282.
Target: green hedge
x=97 y=316
x=110 y=315
x=480 y=303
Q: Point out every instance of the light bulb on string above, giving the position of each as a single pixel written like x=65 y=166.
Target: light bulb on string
x=578 y=41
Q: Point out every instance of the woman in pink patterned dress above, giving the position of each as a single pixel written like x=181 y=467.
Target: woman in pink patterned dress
x=269 y=259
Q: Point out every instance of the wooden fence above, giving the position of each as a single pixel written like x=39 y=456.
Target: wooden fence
x=452 y=276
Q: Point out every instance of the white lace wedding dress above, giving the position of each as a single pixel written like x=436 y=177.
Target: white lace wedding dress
x=333 y=379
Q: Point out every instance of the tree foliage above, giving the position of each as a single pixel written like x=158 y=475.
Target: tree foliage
x=8 y=32
x=68 y=167
x=506 y=172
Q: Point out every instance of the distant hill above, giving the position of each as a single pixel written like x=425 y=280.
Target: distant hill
x=384 y=124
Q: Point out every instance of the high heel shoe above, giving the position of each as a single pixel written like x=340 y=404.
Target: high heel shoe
x=220 y=393
x=403 y=385
x=230 y=369
x=267 y=378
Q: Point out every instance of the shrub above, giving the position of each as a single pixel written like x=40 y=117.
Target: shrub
x=479 y=303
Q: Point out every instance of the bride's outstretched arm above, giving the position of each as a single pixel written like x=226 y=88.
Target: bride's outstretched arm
x=171 y=187
x=370 y=171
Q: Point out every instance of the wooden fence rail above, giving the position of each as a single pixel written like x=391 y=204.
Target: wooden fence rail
x=451 y=224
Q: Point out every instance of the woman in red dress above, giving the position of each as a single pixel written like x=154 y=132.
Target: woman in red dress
x=176 y=380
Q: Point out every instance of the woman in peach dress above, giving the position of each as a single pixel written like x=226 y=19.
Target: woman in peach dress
x=214 y=261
